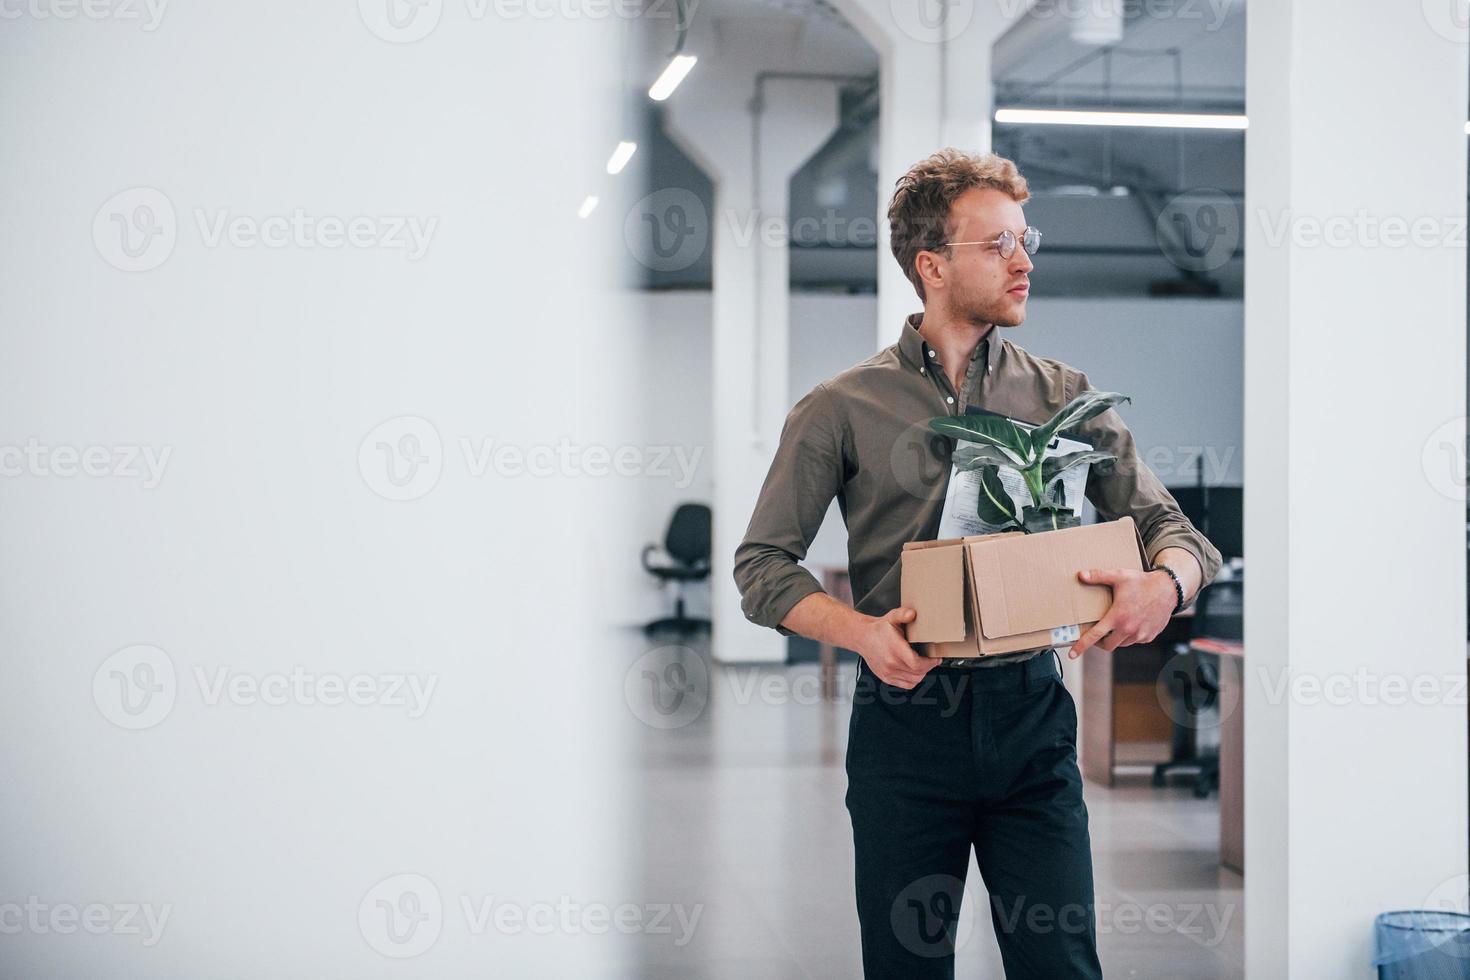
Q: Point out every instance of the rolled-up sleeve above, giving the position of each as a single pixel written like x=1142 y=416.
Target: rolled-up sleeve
x=1127 y=487
x=805 y=476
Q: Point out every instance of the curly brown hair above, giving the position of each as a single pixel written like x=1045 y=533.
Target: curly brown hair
x=918 y=215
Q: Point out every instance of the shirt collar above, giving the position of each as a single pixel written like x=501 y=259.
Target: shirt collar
x=914 y=348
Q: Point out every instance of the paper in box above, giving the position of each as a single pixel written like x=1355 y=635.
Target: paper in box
x=1002 y=593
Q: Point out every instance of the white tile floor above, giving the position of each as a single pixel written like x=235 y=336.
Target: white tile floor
x=741 y=814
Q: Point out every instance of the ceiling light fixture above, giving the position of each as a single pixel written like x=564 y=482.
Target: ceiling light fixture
x=671 y=77
x=620 y=157
x=1153 y=120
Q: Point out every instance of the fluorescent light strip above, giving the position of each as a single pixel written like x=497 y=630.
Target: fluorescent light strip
x=1467 y=129
x=671 y=77
x=588 y=206
x=620 y=157
x=1154 y=120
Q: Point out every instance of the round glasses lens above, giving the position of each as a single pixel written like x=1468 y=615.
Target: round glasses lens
x=1006 y=243
x=1032 y=241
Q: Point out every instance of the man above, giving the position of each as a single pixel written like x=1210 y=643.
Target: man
x=945 y=756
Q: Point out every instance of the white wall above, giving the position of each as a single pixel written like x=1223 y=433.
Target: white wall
x=270 y=832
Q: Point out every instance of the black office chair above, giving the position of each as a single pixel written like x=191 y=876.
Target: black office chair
x=1218 y=613
x=684 y=558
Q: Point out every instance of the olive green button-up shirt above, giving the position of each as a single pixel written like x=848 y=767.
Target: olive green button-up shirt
x=863 y=438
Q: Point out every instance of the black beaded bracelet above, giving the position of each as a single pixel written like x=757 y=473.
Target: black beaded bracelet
x=1178 y=585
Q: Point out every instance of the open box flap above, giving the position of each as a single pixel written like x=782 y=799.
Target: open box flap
x=933 y=585
x=1026 y=583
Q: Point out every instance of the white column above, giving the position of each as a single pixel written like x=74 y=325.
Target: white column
x=714 y=123
x=1354 y=412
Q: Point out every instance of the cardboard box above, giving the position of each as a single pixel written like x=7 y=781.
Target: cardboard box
x=1000 y=593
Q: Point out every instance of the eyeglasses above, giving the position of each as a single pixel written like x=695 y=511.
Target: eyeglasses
x=1006 y=243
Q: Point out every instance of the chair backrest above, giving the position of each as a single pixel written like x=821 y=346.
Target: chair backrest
x=688 y=539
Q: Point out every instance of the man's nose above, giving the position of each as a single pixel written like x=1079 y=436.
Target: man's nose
x=1021 y=262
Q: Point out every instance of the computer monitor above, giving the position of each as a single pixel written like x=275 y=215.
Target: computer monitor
x=1217 y=512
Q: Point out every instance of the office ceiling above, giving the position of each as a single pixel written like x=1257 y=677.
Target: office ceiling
x=1103 y=197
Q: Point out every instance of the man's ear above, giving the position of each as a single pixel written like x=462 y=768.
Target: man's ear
x=931 y=273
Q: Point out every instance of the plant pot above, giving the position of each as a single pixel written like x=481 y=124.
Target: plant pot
x=1048 y=517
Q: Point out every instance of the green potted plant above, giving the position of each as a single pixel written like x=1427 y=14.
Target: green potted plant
x=994 y=441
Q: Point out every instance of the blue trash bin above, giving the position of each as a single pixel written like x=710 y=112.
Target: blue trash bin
x=1422 y=945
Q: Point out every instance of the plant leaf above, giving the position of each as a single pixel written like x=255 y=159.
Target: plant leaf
x=1089 y=404
x=987 y=430
x=994 y=504
x=1054 y=466
x=970 y=456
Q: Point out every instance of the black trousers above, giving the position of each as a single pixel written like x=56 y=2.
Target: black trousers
x=983 y=758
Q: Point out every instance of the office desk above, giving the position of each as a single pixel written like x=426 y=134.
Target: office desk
x=1120 y=705
x=1232 y=748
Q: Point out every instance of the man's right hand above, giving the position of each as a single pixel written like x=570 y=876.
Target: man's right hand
x=887 y=652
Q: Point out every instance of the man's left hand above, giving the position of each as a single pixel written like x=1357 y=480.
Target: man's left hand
x=1142 y=605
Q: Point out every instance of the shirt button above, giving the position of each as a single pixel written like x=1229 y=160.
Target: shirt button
x=931 y=353
x=949 y=398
